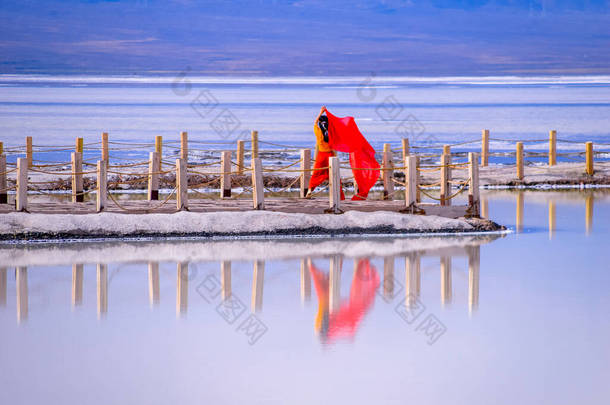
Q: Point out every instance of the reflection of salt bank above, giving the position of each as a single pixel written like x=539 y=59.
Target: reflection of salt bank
x=227 y=223
x=246 y=250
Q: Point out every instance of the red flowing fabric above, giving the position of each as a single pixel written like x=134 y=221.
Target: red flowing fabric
x=344 y=136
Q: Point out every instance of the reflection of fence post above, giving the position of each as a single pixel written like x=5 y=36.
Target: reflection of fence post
x=552 y=148
x=105 y=152
x=474 y=265
x=153 y=176
x=182 y=287
x=388 y=185
x=258 y=281
x=305 y=173
x=485 y=147
x=184 y=146
x=3 y=286
x=445 y=178
x=254 y=144
x=405 y=148
x=21 y=282
x=154 y=295
x=305 y=281
x=77 y=284
x=225 y=175
x=588 y=213
x=552 y=219
x=77 y=177
x=258 y=188
x=519 y=160
x=102 y=185
x=473 y=187
x=102 y=289
x=225 y=279
x=240 y=157
x=410 y=181
x=181 y=185
x=446 y=293
x=519 y=213
x=388 y=277
x=29 y=150
x=412 y=277
x=589 y=157
x=334 y=186
x=3 y=182
x=21 y=198
x=334 y=284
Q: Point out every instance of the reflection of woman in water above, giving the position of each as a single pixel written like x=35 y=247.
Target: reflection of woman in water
x=346 y=319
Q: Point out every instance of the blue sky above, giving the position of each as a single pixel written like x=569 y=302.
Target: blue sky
x=307 y=37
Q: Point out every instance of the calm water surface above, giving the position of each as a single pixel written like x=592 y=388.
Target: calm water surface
x=521 y=318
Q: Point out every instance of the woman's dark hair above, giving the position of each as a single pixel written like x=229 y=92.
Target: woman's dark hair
x=323 y=125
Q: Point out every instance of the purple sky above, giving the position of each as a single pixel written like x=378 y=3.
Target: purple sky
x=308 y=37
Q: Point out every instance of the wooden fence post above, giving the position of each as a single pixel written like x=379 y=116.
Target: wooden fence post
x=79 y=146
x=473 y=187
x=159 y=149
x=405 y=148
x=21 y=199
x=418 y=178
x=258 y=188
x=102 y=185
x=485 y=148
x=77 y=177
x=520 y=160
x=3 y=182
x=445 y=178
x=589 y=157
x=388 y=183
x=334 y=186
x=105 y=152
x=184 y=146
x=225 y=175
x=240 y=157
x=254 y=144
x=154 y=167
x=305 y=174
x=29 y=150
x=410 y=182
x=182 y=185
x=552 y=148
x=447 y=150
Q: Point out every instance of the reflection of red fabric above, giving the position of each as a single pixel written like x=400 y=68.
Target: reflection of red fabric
x=361 y=298
x=321 y=175
x=344 y=136
x=345 y=321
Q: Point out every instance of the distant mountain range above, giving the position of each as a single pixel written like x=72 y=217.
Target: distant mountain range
x=308 y=37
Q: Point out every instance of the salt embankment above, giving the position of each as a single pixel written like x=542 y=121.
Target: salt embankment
x=24 y=226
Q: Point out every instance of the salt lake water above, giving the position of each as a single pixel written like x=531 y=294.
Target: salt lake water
x=54 y=110
x=515 y=318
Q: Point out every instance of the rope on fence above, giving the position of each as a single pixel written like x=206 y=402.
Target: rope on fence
x=460 y=190
x=147 y=210
x=292 y=183
x=203 y=184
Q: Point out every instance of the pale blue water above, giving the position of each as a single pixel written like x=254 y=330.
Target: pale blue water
x=530 y=326
x=56 y=110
